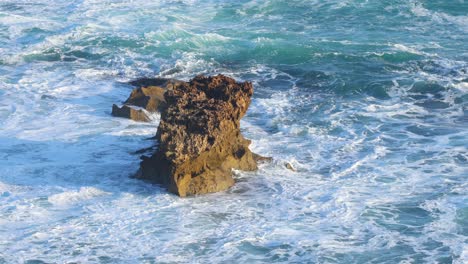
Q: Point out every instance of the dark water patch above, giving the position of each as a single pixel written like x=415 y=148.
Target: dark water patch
x=35 y=261
x=108 y=259
x=48 y=97
x=420 y=155
x=379 y=89
x=419 y=96
x=453 y=7
x=82 y=54
x=4 y=35
x=462 y=221
x=274 y=252
x=460 y=159
x=33 y=35
x=429 y=131
x=146 y=81
x=461 y=99
x=11 y=7
x=314 y=79
x=457 y=140
x=412 y=215
x=405 y=218
x=427 y=88
x=446 y=260
x=434 y=104
x=443 y=252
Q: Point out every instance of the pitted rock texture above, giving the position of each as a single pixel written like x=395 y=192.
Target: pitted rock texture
x=199 y=137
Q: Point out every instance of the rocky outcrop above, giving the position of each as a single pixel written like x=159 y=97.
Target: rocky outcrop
x=148 y=98
x=199 y=136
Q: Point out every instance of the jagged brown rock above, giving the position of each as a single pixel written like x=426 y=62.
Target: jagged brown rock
x=129 y=111
x=199 y=137
x=149 y=96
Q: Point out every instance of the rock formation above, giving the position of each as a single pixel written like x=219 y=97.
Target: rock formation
x=199 y=134
x=149 y=97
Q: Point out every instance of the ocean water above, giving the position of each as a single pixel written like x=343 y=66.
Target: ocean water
x=368 y=100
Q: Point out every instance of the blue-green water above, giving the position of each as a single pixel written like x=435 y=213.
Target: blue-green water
x=366 y=99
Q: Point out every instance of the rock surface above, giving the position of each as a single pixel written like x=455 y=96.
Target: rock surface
x=199 y=137
x=149 y=97
x=129 y=111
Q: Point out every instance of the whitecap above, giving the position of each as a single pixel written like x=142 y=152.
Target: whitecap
x=439 y=17
x=72 y=197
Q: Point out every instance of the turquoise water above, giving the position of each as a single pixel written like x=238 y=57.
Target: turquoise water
x=366 y=99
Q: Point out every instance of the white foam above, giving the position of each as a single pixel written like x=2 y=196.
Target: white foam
x=439 y=17
x=74 y=197
x=186 y=67
x=413 y=50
